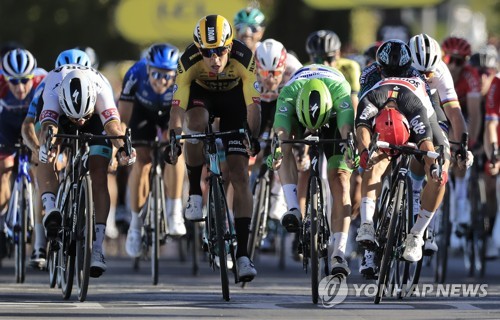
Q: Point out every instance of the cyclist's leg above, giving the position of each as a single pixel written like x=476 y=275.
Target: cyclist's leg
x=6 y=164
x=491 y=211
x=47 y=186
x=38 y=257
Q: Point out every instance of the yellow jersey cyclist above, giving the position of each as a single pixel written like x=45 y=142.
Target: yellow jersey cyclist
x=216 y=75
x=308 y=103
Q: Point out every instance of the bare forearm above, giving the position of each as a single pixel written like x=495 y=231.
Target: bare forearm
x=29 y=135
x=253 y=118
x=490 y=137
x=473 y=105
x=457 y=121
x=363 y=137
x=114 y=128
x=176 y=119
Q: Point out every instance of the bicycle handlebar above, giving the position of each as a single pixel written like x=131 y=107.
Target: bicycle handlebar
x=409 y=148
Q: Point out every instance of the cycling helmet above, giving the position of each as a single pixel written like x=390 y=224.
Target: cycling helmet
x=18 y=63
x=94 y=60
x=314 y=104
x=393 y=56
x=456 y=46
x=249 y=16
x=73 y=56
x=213 y=31
x=486 y=57
x=322 y=42
x=392 y=127
x=163 y=56
x=77 y=95
x=425 y=52
x=270 y=55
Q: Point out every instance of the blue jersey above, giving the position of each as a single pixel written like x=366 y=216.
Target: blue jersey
x=136 y=88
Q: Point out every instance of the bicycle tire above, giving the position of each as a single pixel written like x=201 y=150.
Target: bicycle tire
x=387 y=256
x=261 y=190
x=155 y=221
x=282 y=253
x=84 y=237
x=52 y=262
x=443 y=239
x=312 y=204
x=67 y=248
x=220 y=226
x=20 y=234
x=195 y=247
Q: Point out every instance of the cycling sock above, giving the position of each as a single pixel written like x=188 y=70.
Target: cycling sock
x=175 y=206
x=194 y=177
x=48 y=201
x=423 y=220
x=339 y=244
x=367 y=209
x=242 y=227
x=40 y=241
x=100 y=231
x=416 y=182
x=135 y=222
x=168 y=207
x=290 y=191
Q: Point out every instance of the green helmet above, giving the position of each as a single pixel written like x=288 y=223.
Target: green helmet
x=249 y=16
x=314 y=104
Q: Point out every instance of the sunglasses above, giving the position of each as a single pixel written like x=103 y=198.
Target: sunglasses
x=219 y=51
x=16 y=81
x=242 y=28
x=266 y=73
x=322 y=59
x=160 y=75
x=458 y=61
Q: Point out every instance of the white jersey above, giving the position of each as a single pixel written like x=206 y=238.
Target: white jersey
x=105 y=105
x=442 y=82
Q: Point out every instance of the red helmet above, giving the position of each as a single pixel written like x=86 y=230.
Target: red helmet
x=392 y=127
x=456 y=46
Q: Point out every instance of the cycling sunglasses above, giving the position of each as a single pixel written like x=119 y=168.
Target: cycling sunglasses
x=242 y=28
x=322 y=59
x=274 y=73
x=23 y=80
x=160 y=75
x=219 y=51
x=458 y=61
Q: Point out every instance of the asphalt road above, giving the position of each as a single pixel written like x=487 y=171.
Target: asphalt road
x=125 y=293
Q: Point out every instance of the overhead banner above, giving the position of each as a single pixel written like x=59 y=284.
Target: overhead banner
x=147 y=21
x=349 y=4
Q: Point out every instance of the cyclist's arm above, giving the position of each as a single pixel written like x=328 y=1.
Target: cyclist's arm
x=29 y=135
x=125 y=110
x=342 y=105
x=474 y=114
x=42 y=138
x=251 y=95
x=114 y=128
x=492 y=116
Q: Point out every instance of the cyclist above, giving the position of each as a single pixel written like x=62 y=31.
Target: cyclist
x=274 y=68
x=250 y=27
x=144 y=106
x=370 y=53
x=79 y=97
x=216 y=75
x=456 y=52
x=485 y=60
x=94 y=59
x=30 y=127
x=18 y=83
x=394 y=60
x=307 y=103
x=426 y=58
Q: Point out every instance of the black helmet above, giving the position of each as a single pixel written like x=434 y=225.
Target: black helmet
x=394 y=58
x=322 y=42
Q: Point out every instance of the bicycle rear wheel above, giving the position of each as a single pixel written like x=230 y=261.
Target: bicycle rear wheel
x=261 y=194
x=67 y=249
x=52 y=262
x=84 y=237
x=219 y=207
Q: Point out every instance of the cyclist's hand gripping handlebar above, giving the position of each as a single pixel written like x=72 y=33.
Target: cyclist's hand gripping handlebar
x=46 y=152
x=274 y=160
x=173 y=150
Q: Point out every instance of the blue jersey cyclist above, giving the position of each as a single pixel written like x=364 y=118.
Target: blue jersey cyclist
x=144 y=106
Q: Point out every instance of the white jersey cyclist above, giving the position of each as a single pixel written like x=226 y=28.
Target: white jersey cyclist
x=105 y=105
x=442 y=82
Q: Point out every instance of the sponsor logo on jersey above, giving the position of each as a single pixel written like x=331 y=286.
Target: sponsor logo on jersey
x=417 y=126
x=256 y=100
x=174 y=88
x=344 y=105
x=176 y=102
x=282 y=109
x=49 y=114
x=256 y=86
x=109 y=113
x=369 y=112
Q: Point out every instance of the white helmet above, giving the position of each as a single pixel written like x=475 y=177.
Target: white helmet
x=77 y=95
x=425 y=52
x=270 y=55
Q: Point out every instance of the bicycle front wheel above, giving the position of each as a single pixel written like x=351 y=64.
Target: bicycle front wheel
x=261 y=193
x=219 y=207
x=84 y=236
x=155 y=202
x=20 y=230
x=312 y=204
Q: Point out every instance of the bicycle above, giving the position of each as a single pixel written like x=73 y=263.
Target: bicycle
x=395 y=220
x=74 y=200
x=219 y=226
x=314 y=234
x=19 y=220
x=154 y=210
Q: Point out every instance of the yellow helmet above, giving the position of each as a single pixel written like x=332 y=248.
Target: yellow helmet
x=213 y=31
